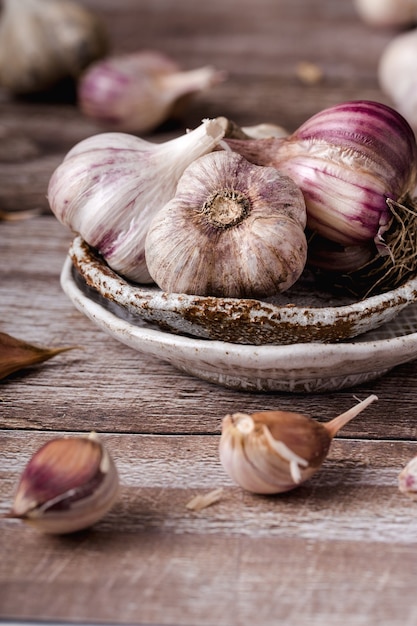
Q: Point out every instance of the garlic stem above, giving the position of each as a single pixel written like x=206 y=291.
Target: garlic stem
x=341 y=420
x=187 y=82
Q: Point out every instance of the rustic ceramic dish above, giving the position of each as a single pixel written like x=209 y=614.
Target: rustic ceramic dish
x=301 y=314
x=302 y=367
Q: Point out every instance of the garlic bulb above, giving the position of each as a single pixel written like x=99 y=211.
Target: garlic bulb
x=275 y=451
x=110 y=186
x=136 y=92
x=45 y=41
x=68 y=484
x=233 y=229
x=347 y=159
x=387 y=13
x=397 y=74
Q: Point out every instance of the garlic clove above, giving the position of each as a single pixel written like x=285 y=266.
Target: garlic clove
x=233 y=229
x=274 y=451
x=110 y=186
x=45 y=41
x=136 y=92
x=68 y=485
x=407 y=479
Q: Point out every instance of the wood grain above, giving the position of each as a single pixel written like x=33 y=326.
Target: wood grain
x=338 y=550
x=345 y=533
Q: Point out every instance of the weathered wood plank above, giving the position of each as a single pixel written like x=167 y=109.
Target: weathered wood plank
x=108 y=386
x=344 y=534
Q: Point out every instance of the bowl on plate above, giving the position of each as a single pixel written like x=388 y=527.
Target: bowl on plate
x=302 y=314
x=301 y=366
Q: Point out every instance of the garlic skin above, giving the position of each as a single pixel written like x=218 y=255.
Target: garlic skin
x=233 y=229
x=397 y=74
x=68 y=485
x=407 y=479
x=334 y=257
x=45 y=41
x=387 y=13
x=275 y=451
x=347 y=160
x=110 y=186
x=136 y=92
x=265 y=130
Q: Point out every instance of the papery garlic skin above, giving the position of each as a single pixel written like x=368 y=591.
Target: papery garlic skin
x=136 y=92
x=387 y=13
x=45 y=41
x=110 y=186
x=69 y=484
x=233 y=229
x=347 y=160
x=397 y=74
x=266 y=460
x=407 y=479
x=272 y=452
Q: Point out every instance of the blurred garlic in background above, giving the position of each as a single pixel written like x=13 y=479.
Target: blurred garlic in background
x=137 y=92
x=387 y=13
x=45 y=41
x=397 y=74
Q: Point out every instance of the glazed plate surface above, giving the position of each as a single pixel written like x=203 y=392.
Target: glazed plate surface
x=301 y=367
x=302 y=314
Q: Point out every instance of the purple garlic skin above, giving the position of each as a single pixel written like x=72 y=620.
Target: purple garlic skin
x=347 y=160
x=137 y=92
x=109 y=187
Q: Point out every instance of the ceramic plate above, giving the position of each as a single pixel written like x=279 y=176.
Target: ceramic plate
x=302 y=367
x=301 y=314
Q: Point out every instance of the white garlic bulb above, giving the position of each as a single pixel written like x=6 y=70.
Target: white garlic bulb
x=136 y=92
x=110 y=186
x=387 y=13
x=397 y=74
x=234 y=229
x=45 y=41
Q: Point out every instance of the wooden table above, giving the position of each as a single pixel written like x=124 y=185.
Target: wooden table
x=337 y=551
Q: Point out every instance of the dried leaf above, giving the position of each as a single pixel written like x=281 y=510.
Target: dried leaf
x=202 y=501
x=16 y=354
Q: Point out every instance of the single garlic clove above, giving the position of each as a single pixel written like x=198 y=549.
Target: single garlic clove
x=233 y=230
x=45 y=41
x=110 y=186
x=69 y=484
x=137 y=92
x=407 y=479
x=274 y=451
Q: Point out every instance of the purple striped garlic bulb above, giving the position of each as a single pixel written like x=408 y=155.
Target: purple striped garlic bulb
x=347 y=160
x=110 y=186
